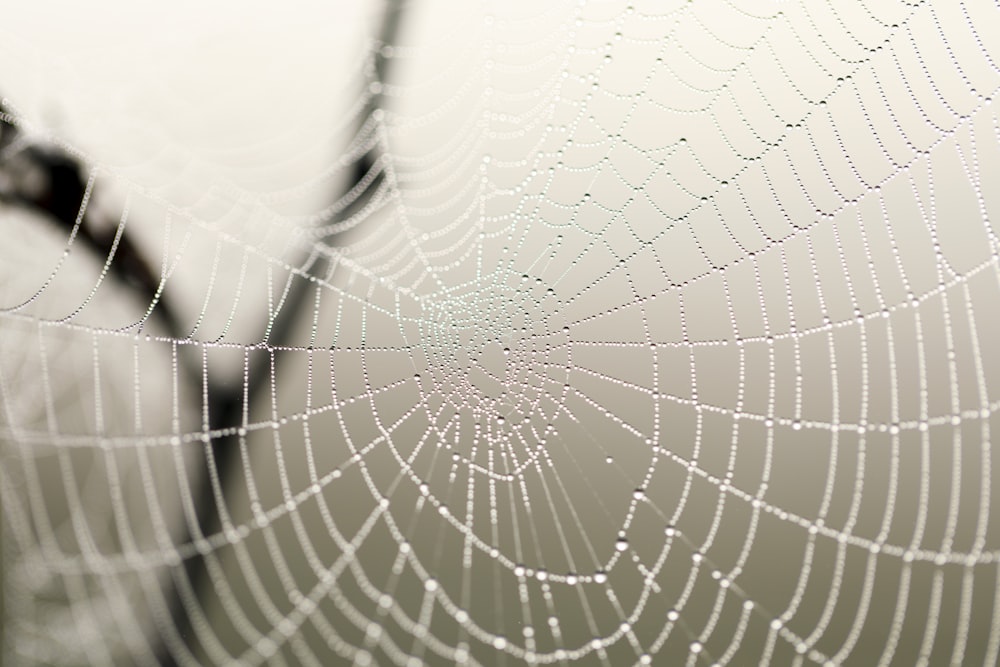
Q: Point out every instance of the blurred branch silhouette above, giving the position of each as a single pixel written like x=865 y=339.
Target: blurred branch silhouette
x=50 y=182
x=56 y=185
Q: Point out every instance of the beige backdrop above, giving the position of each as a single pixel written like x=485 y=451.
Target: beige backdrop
x=670 y=336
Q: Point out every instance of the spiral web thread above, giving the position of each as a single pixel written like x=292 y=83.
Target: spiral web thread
x=658 y=333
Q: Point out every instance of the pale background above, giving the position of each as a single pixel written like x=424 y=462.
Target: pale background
x=520 y=126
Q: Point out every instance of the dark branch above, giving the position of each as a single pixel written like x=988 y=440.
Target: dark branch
x=50 y=182
x=47 y=181
x=226 y=409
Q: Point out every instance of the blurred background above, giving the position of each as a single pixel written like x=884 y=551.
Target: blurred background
x=426 y=332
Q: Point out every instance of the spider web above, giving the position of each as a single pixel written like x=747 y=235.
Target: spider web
x=655 y=333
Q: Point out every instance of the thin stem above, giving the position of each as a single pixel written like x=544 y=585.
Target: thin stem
x=226 y=408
